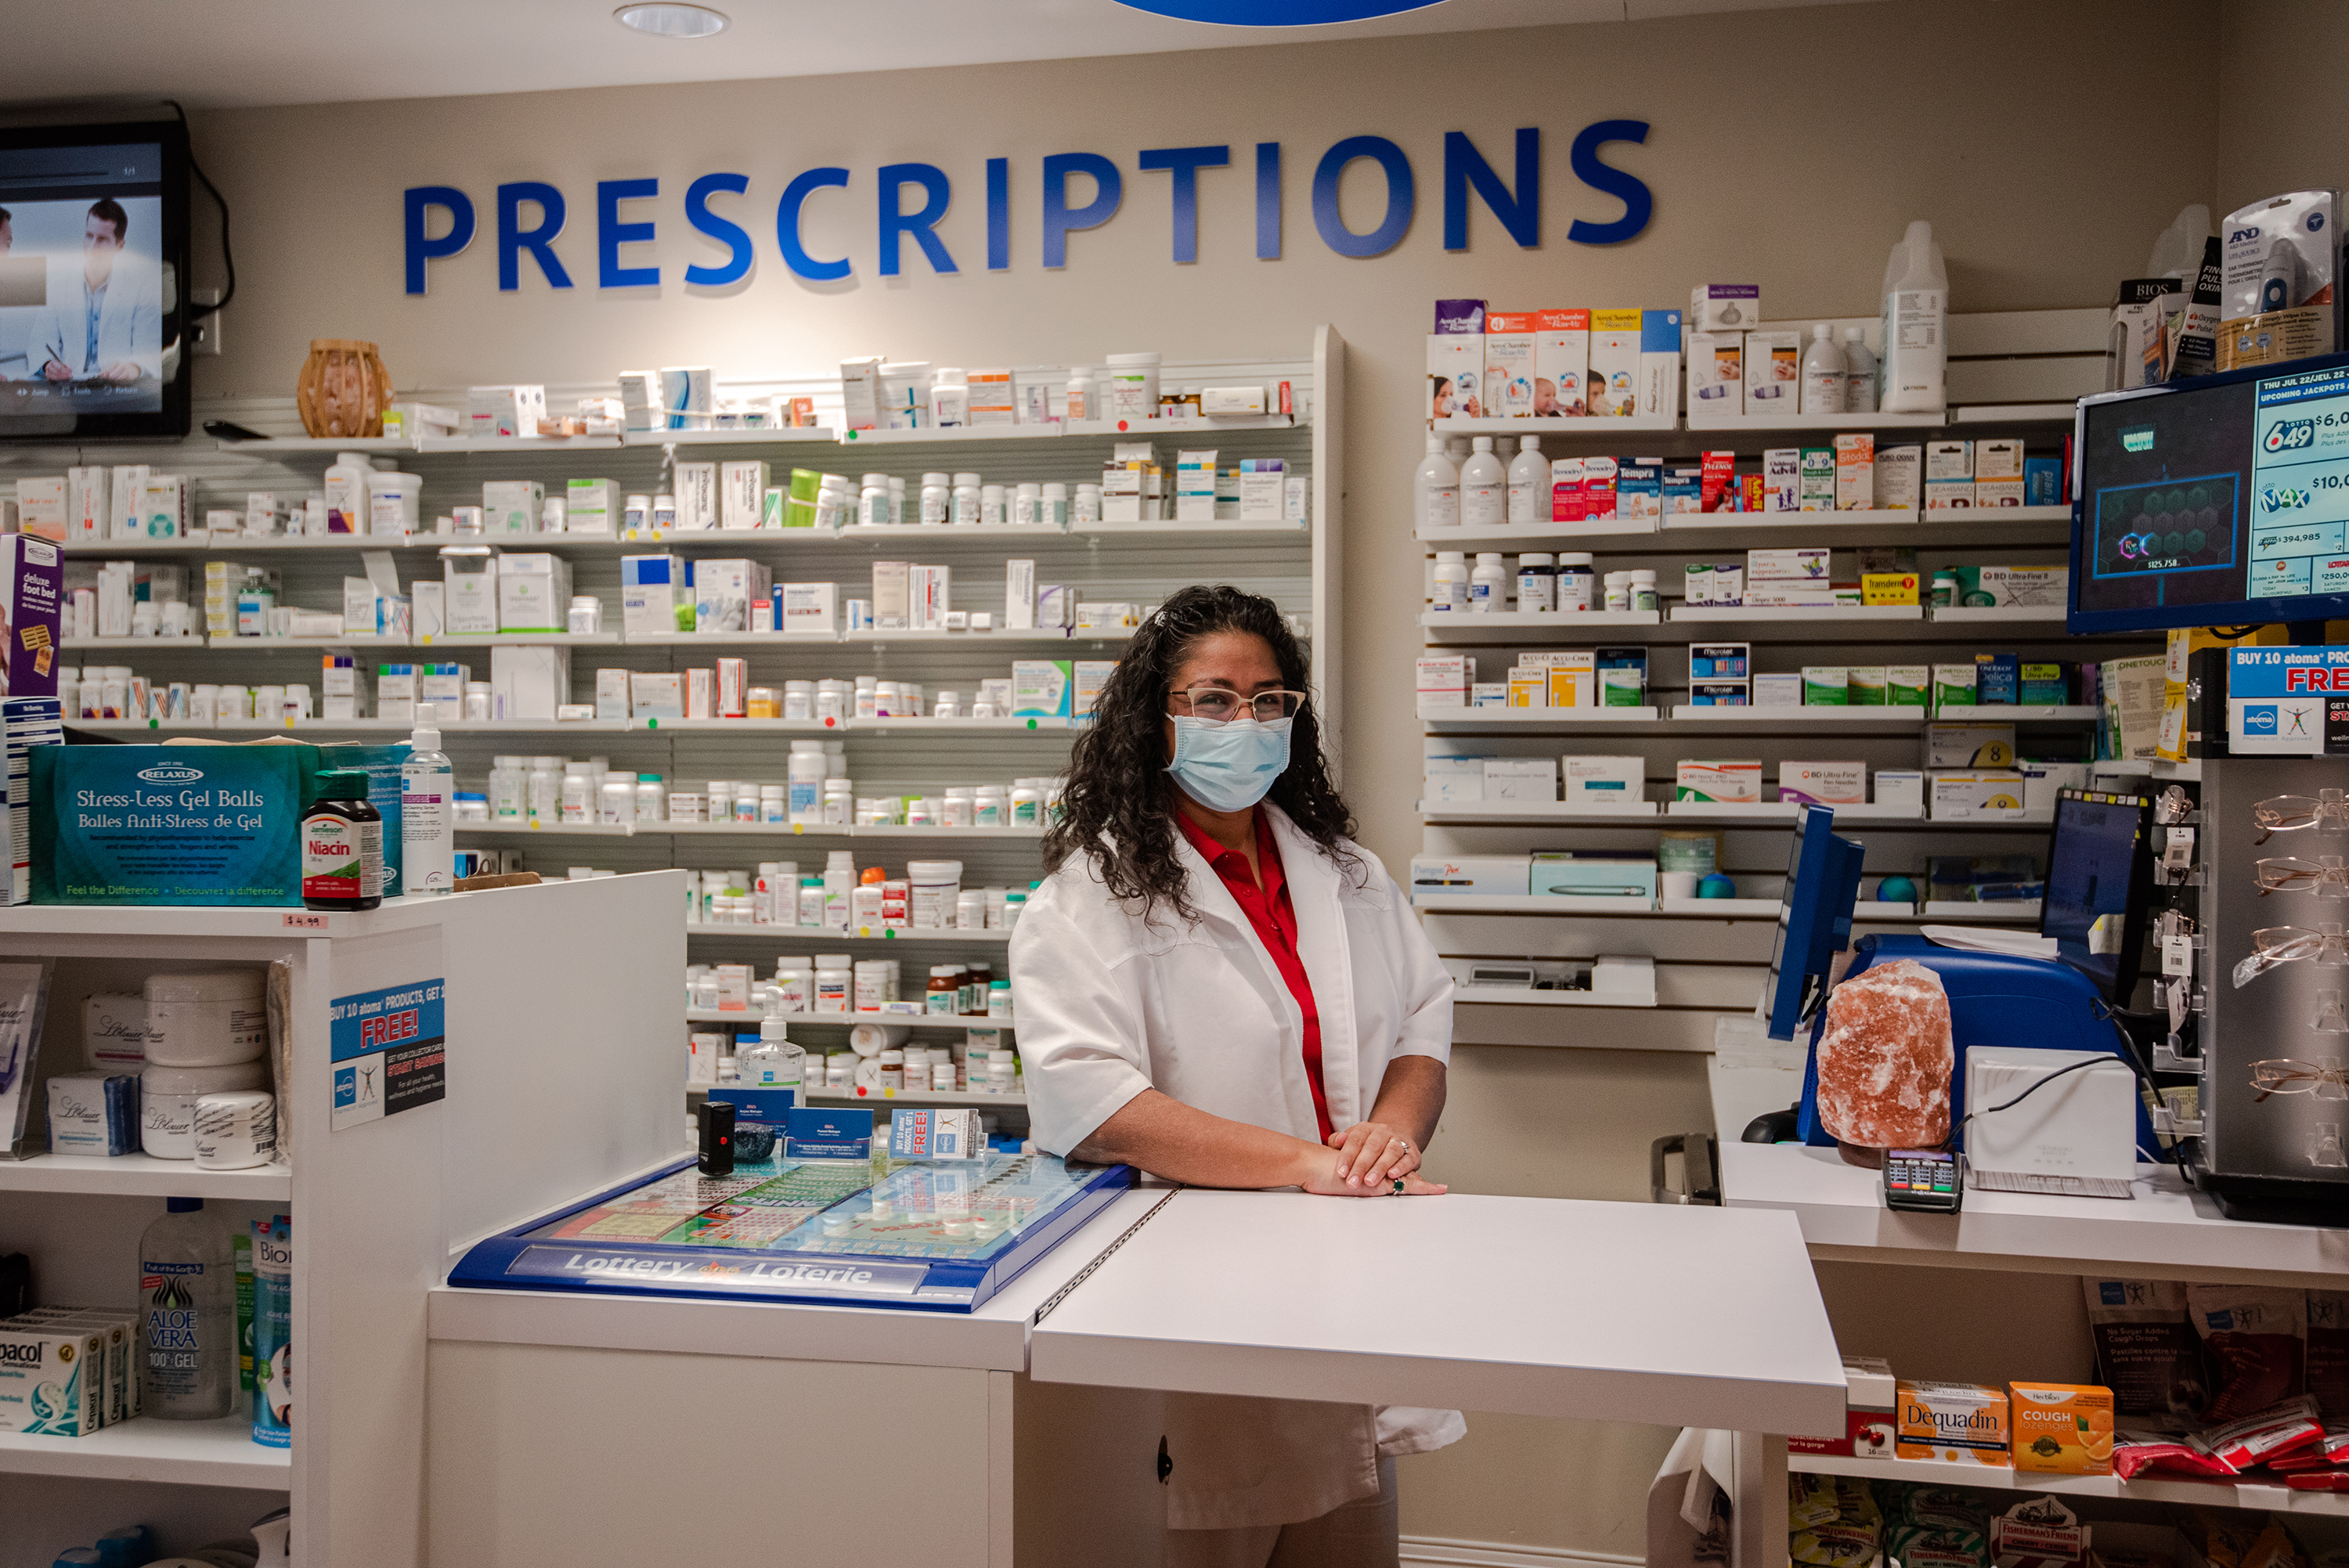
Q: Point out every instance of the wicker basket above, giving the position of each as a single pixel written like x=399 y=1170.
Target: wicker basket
x=343 y=391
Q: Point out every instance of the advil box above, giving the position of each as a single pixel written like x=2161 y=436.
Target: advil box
x=171 y=824
x=32 y=586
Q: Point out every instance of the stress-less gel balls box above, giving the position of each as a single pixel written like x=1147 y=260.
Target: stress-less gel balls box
x=171 y=824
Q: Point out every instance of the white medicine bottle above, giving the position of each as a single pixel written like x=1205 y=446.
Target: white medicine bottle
x=937 y=496
x=1858 y=372
x=1435 y=491
x=1822 y=372
x=188 y=1328
x=1483 y=488
x=1488 y=585
x=873 y=502
x=1081 y=399
x=1451 y=594
x=1529 y=482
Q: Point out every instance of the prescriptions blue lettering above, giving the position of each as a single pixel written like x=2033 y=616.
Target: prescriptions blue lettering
x=1638 y=202
x=512 y=239
x=1184 y=163
x=1268 y=201
x=419 y=200
x=998 y=214
x=611 y=234
x=1401 y=197
x=787 y=225
x=729 y=234
x=938 y=192
x=1059 y=218
x=1463 y=167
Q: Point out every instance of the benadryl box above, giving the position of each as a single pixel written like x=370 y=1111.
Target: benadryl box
x=171 y=824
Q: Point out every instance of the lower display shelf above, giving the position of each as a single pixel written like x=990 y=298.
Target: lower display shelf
x=143 y=1176
x=1868 y=912
x=1943 y=1472
x=911 y=1097
x=178 y=1453
x=816 y=936
x=935 y=1023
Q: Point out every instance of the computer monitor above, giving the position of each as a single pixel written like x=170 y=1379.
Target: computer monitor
x=2217 y=502
x=2099 y=885
x=1813 y=921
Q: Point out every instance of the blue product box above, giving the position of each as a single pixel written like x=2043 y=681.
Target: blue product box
x=1639 y=488
x=2042 y=481
x=1998 y=678
x=1660 y=332
x=1683 y=486
x=1721 y=694
x=827 y=1135
x=1720 y=661
x=171 y=824
x=943 y=1134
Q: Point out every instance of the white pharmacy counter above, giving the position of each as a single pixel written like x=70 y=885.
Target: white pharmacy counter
x=579 y=1428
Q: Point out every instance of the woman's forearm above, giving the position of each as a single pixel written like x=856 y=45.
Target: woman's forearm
x=1410 y=1096
x=1161 y=1135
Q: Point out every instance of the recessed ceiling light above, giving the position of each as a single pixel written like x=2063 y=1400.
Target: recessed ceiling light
x=671 y=20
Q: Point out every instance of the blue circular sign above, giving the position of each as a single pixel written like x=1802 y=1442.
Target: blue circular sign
x=1276 y=13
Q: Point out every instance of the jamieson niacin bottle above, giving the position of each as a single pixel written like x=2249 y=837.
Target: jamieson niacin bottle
x=342 y=845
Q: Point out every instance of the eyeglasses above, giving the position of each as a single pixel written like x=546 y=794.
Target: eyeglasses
x=2327 y=812
x=2282 y=1075
x=2280 y=944
x=1221 y=705
x=2325 y=876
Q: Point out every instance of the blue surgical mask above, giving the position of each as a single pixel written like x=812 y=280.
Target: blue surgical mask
x=1229 y=767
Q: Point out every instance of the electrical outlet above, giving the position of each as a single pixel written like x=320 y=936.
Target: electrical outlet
x=206 y=334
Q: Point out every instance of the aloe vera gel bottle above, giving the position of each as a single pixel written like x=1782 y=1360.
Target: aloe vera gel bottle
x=187 y=1290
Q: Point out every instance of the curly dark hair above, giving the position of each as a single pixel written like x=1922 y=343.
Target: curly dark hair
x=1118 y=804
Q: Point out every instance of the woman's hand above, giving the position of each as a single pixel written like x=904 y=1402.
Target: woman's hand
x=1370 y=1153
x=1321 y=1176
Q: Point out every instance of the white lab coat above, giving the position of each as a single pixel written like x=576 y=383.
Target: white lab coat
x=1109 y=1006
x=130 y=321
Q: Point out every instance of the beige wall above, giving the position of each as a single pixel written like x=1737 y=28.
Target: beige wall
x=2048 y=144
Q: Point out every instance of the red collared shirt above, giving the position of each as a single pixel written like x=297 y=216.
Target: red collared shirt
x=1273 y=915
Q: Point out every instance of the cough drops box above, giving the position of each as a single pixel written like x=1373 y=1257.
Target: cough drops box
x=171 y=824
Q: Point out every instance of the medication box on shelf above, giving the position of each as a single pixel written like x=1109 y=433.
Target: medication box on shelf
x=1953 y=686
x=1730 y=782
x=529 y=683
x=1969 y=745
x=1716 y=373
x=1521 y=779
x=2062 y=1428
x=1854 y=458
x=171 y=824
x=1777 y=690
x=655 y=595
x=534 y=592
x=1870 y=1400
x=1953 y=1422
x=1454 y=781
x=1900 y=476
x=1970 y=796
x=1599 y=781
x=1444 y=679
x=1773 y=377
x=1905 y=686
x=1041 y=688
x=1502 y=874
x=1509 y=346
x=1561 y=362
x=1824 y=783
x=1614 y=362
x=1902 y=788
x=1721 y=694
x=1592 y=874
x=1724 y=307
x=32 y=594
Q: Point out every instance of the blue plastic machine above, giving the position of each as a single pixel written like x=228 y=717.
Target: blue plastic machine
x=1994 y=998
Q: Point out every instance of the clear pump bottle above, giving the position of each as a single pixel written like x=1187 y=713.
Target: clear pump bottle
x=774 y=1062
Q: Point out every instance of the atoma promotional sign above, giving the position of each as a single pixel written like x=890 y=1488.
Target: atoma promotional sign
x=1067 y=193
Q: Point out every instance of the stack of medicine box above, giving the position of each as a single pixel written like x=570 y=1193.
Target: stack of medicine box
x=1579 y=678
x=1970 y=774
x=1793 y=577
x=1134 y=486
x=1721 y=674
x=91 y=1355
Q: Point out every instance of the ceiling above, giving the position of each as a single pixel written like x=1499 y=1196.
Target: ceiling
x=239 y=53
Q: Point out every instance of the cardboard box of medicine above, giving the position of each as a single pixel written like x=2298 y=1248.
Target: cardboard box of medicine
x=1900 y=476
x=1888 y=587
x=611 y=694
x=810 y=608
x=723 y=592
x=1658 y=392
x=534 y=592
x=1854 y=472
x=1092 y=675
x=1527 y=687
x=2062 y=1428
x=1592 y=874
x=1903 y=789
x=1455 y=374
x=1826 y=685
x=1969 y=745
x=1573 y=679
x=655 y=595
x=1946 y=460
x=2046 y=587
x=1777 y=690
x=1504 y=874
x=440 y=692
x=222 y=827
x=1720 y=661
x=1598 y=481
x=1817 y=479
x=1041 y=688
x=511 y=506
x=1489 y=694
x=1598 y=782
x=504 y=410
x=1640 y=488
x=697 y=496
x=528 y=681
x=1802 y=564
x=1774 y=372
x=1870 y=1398
x=1969 y=795
x=1712 y=583
x=1728 y=782
x=1683 y=491
x=1509 y=340
x=1949 y=495
x=1905 y=686
x=1952 y=1422
x=1614 y=383
x=1721 y=694
x=1998 y=492
x=32 y=597
x=2042 y=781
x=1716 y=374
x=1867 y=686
x=1782 y=480
x=1998 y=679
x=1444 y=679
x=48 y=1387
x=743 y=493
x=1453 y=780
x=1824 y=783
x=1724 y=307
x=593 y=507
x=1997 y=458
x=41 y=507
x=1561 y=362
x=1533 y=779
x=1622 y=677
x=2042 y=481
x=1953 y=686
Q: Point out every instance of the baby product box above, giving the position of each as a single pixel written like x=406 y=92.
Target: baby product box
x=171 y=824
x=1724 y=307
x=1508 y=387
x=32 y=591
x=1455 y=373
x=1614 y=382
x=1561 y=362
x=1774 y=372
x=1660 y=364
x=1716 y=373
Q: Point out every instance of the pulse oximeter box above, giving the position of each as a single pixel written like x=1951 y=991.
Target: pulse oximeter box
x=171 y=824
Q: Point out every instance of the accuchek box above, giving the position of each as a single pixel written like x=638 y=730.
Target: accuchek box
x=1468 y=874
x=1736 y=782
x=1824 y=783
x=1953 y=1422
x=1870 y=1398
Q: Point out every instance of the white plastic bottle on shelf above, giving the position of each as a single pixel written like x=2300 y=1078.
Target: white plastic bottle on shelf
x=1858 y=372
x=839 y=882
x=774 y=1062
x=544 y=798
x=188 y=1345
x=949 y=397
x=346 y=492
x=427 y=843
x=807 y=772
x=1488 y=585
x=1915 y=343
x=617 y=799
x=1083 y=393
x=1436 y=489
x=1822 y=372
x=1529 y=482
x=1483 y=486
x=873 y=502
x=578 y=799
x=1451 y=596
x=937 y=498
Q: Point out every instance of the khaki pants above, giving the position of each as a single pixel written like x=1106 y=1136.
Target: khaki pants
x=1359 y=1534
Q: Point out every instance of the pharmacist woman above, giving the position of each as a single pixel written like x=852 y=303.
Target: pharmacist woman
x=1216 y=986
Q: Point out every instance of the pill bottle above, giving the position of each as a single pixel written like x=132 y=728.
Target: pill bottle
x=961 y=800
x=897 y=499
x=944 y=996
x=1945 y=588
x=636 y=513
x=807 y=775
x=664 y=512
x=994 y=509
x=1488 y=585
x=839 y=803
x=617 y=798
x=1052 y=506
x=811 y=900
x=987 y=807
x=794 y=986
x=937 y=496
x=799 y=700
x=652 y=799
x=577 y=802
x=868 y=692
x=1577 y=581
x=1028 y=504
x=835 y=504
x=542 y=790
x=1617 y=588
x=1537 y=582
x=1643 y=589
x=1082 y=393
x=949 y=397
x=1451 y=582
x=835 y=979
x=1086 y=508
x=774 y=803
x=970 y=910
x=966 y=488
x=876 y=982
x=893 y=1069
x=998 y=999
x=342 y=846
x=1027 y=806
x=746 y=796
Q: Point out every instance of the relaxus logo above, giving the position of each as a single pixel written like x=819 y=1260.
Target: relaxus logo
x=2289 y=435
x=170 y=773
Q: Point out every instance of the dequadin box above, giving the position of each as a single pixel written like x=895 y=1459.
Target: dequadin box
x=171 y=824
